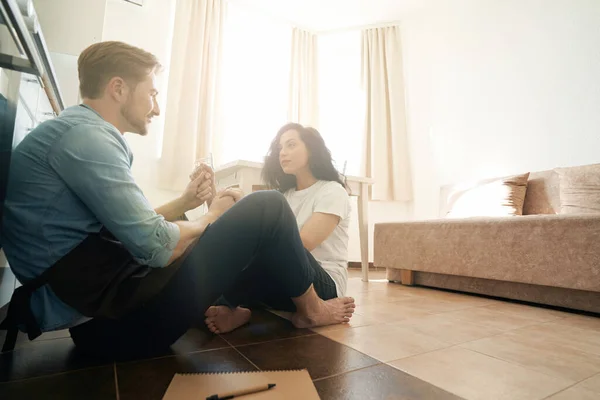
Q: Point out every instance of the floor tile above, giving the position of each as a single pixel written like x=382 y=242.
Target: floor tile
x=378 y=382
x=567 y=336
x=390 y=312
x=581 y=321
x=490 y=318
x=448 y=330
x=321 y=356
x=475 y=376
x=150 y=379
x=586 y=390
x=263 y=327
x=62 y=334
x=23 y=340
x=356 y=321
x=194 y=340
x=386 y=342
x=355 y=286
x=92 y=384
x=539 y=314
x=198 y=340
x=467 y=300
x=378 y=297
x=44 y=358
x=539 y=355
x=287 y=315
x=592 y=383
x=377 y=281
x=432 y=304
x=575 y=393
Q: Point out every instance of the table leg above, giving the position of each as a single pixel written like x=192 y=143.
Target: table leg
x=363 y=229
x=245 y=182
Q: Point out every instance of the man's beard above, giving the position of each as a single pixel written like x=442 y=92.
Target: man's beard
x=138 y=126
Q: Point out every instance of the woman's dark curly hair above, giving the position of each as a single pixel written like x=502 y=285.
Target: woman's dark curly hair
x=319 y=160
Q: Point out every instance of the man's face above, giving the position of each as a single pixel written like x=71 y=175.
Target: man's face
x=141 y=106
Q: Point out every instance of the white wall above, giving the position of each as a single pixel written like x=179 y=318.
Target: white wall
x=497 y=87
x=379 y=211
x=70 y=26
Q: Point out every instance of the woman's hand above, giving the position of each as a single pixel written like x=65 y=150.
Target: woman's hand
x=236 y=193
x=222 y=202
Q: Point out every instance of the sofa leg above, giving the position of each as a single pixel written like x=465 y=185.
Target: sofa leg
x=407 y=277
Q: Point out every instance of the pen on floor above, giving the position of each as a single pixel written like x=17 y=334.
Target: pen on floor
x=242 y=392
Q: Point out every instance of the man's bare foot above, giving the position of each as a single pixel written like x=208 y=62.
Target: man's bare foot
x=330 y=312
x=222 y=319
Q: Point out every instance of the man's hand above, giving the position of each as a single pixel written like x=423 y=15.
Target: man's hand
x=205 y=169
x=198 y=191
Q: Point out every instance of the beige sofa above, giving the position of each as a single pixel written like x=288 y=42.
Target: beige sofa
x=540 y=257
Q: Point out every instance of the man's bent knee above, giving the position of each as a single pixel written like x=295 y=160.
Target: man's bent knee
x=267 y=197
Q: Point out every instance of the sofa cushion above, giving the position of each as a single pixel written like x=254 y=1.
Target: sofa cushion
x=547 y=250
x=543 y=193
x=580 y=189
x=499 y=198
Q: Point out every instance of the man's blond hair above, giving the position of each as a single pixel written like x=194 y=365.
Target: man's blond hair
x=101 y=62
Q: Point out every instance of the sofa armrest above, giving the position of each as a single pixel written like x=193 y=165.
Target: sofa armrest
x=552 y=250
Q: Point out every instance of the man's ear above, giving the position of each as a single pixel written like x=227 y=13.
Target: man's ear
x=118 y=89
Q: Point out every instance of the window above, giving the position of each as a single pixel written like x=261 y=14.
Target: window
x=341 y=98
x=255 y=82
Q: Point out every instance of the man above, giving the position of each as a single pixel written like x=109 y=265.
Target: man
x=96 y=258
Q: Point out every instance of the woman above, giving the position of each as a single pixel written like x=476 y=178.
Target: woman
x=299 y=165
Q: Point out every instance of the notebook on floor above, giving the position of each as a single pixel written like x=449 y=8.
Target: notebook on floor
x=290 y=385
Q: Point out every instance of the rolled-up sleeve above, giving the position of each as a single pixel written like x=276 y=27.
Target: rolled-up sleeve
x=95 y=165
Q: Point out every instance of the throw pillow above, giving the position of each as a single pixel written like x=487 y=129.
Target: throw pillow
x=579 y=189
x=499 y=198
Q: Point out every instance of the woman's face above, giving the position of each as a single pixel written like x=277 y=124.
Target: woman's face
x=293 y=154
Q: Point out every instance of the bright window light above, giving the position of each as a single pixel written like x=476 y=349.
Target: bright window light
x=256 y=65
x=341 y=98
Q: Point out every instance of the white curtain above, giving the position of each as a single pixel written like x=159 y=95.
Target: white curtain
x=192 y=113
x=386 y=157
x=303 y=104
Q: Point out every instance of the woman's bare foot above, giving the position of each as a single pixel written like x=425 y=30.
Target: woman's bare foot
x=222 y=319
x=321 y=313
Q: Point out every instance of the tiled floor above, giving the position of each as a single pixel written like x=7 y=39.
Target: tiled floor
x=403 y=343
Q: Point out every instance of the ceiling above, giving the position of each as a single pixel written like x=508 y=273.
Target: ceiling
x=330 y=15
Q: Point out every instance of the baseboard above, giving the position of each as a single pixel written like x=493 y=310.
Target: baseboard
x=358 y=265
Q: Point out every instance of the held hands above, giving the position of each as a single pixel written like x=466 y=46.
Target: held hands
x=201 y=188
x=223 y=201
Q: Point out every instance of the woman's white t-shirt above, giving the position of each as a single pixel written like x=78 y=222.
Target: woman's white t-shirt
x=329 y=198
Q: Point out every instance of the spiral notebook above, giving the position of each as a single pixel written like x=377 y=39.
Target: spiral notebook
x=291 y=385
